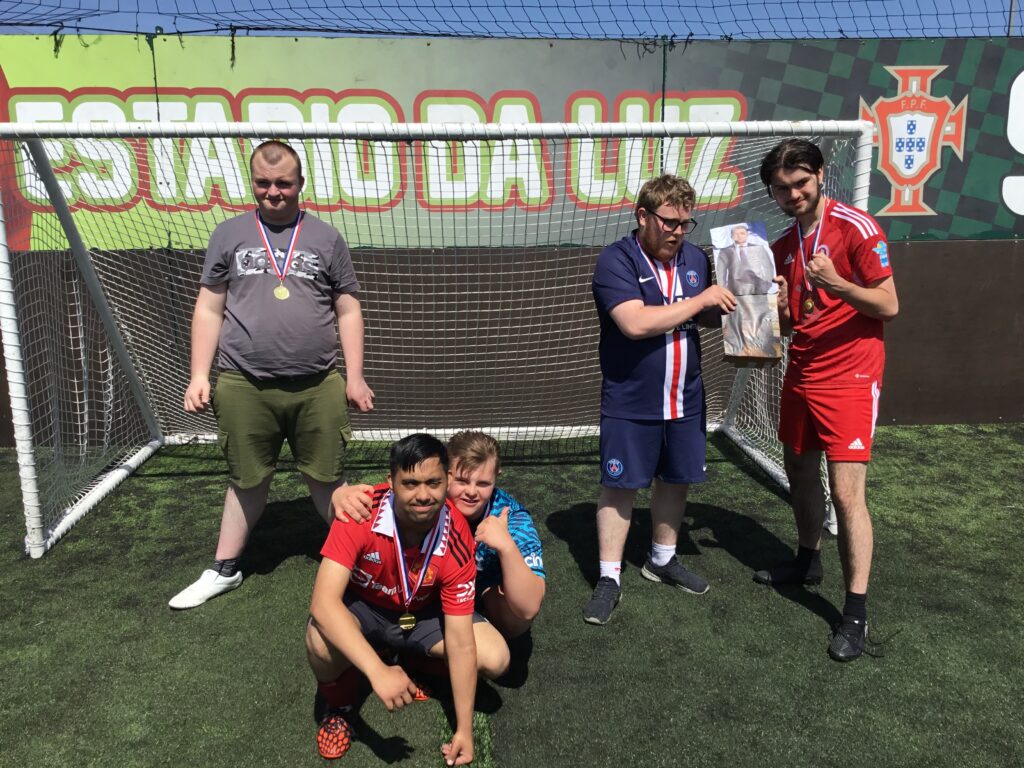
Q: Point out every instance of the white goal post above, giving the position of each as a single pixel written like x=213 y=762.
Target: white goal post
x=474 y=245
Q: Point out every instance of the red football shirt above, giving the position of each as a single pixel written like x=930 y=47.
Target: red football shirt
x=835 y=345
x=368 y=551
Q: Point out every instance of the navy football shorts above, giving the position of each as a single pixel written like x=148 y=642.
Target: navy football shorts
x=635 y=452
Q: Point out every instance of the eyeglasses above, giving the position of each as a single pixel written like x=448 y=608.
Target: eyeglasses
x=672 y=225
x=777 y=190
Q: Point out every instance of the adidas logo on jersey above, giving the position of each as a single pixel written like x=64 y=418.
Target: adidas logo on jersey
x=372 y=557
x=856 y=445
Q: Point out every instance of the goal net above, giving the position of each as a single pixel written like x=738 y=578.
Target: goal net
x=474 y=246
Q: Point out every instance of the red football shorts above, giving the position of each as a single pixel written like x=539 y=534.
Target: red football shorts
x=840 y=422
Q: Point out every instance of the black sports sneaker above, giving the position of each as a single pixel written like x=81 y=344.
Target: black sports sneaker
x=790 y=573
x=848 y=639
x=601 y=604
x=675 y=574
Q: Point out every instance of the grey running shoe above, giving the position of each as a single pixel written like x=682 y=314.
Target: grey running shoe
x=674 y=573
x=601 y=604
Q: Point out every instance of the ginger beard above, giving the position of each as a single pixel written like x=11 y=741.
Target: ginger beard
x=655 y=239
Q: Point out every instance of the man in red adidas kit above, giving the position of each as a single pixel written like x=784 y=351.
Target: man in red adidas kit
x=833 y=266
x=405 y=580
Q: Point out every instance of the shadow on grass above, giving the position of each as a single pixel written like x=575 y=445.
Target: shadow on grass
x=755 y=547
x=387 y=749
x=287 y=529
x=393 y=749
x=731 y=454
x=743 y=538
x=518 y=672
x=576 y=526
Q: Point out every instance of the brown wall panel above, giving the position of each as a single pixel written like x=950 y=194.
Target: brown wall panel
x=955 y=353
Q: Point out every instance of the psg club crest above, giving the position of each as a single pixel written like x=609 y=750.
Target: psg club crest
x=691 y=279
x=911 y=130
x=613 y=467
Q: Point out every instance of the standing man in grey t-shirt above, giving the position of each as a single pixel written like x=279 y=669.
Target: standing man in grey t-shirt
x=275 y=281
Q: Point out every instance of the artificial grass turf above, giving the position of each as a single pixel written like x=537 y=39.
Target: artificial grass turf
x=740 y=677
x=97 y=671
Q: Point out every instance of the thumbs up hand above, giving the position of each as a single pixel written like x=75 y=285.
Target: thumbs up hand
x=493 y=531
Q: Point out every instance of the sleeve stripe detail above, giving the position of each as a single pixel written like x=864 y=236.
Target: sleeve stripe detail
x=459 y=550
x=864 y=223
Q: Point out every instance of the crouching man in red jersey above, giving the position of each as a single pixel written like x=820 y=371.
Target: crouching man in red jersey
x=405 y=581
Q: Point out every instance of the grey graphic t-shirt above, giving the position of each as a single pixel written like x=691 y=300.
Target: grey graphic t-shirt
x=264 y=336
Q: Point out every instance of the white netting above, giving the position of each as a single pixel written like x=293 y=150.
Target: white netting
x=674 y=20
x=475 y=259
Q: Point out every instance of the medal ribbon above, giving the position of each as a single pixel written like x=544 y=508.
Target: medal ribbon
x=814 y=249
x=432 y=540
x=672 y=272
x=281 y=270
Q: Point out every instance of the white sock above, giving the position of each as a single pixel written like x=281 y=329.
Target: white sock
x=662 y=553
x=611 y=569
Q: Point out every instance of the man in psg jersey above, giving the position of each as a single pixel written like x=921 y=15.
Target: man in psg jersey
x=404 y=580
x=650 y=287
x=833 y=267
x=277 y=291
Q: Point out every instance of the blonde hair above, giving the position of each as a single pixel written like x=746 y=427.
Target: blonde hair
x=674 y=190
x=470 y=450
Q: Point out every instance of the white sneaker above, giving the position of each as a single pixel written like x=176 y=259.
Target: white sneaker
x=209 y=585
x=831 y=524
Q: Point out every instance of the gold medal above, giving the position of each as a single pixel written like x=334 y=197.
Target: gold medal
x=406 y=621
x=280 y=269
x=808 y=305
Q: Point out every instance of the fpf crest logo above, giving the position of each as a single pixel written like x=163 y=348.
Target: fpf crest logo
x=912 y=128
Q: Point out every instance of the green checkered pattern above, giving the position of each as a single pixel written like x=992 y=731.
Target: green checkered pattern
x=827 y=79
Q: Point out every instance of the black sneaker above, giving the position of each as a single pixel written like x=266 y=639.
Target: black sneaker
x=674 y=573
x=789 y=573
x=601 y=604
x=848 y=639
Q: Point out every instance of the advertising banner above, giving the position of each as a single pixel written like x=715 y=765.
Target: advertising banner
x=948 y=161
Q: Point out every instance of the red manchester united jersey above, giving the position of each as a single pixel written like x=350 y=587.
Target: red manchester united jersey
x=368 y=551
x=833 y=344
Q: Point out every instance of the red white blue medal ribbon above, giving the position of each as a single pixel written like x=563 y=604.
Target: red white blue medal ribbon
x=280 y=269
x=808 y=304
x=430 y=544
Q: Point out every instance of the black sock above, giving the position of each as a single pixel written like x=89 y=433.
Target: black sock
x=808 y=558
x=227 y=568
x=856 y=606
